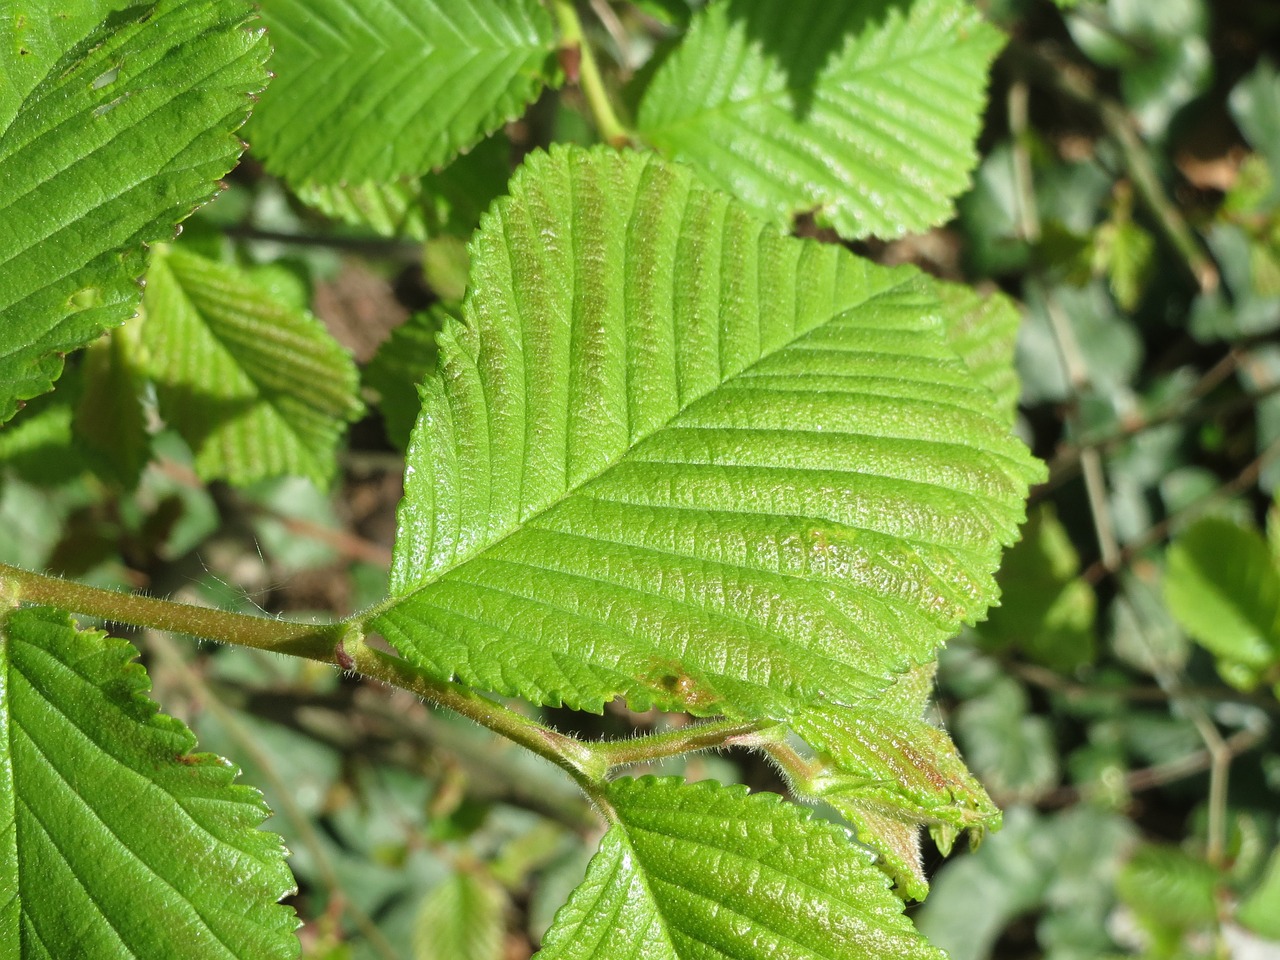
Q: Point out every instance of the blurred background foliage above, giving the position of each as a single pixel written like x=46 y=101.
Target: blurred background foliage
x=1121 y=705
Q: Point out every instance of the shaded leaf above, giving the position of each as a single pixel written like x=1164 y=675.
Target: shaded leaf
x=461 y=919
x=256 y=386
x=1011 y=750
x=110 y=421
x=1225 y=591
x=115 y=141
x=115 y=839
x=862 y=111
x=1046 y=610
x=1260 y=910
x=675 y=456
x=1169 y=887
x=701 y=870
x=377 y=91
x=401 y=363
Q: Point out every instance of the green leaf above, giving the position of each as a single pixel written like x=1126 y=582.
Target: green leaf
x=983 y=330
x=448 y=201
x=1169 y=887
x=377 y=91
x=700 y=870
x=116 y=140
x=675 y=456
x=34 y=43
x=110 y=421
x=115 y=839
x=1225 y=591
x=861 y=111
x=1260 y=910
x=1255 y=106
x=461 y=919
x=400 y=364
x=257 y=387
x=1047 y=611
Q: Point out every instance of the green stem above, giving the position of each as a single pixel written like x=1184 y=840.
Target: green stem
x=610 y=128
x=700 y=736
x=577 y=758
x=343 y=645
x=311 y=641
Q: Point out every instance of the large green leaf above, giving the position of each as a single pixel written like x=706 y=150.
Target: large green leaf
x=257 y=387
x=115 y=839
x=1225 y=591
x=115 y=139
x=676 y=456
x=862 y=111
x=373 y=91
x=701 y=871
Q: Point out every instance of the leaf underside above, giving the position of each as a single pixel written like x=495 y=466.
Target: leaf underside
x=862 y=111
x=375 y=92
x=706 y=872
x=258 y=387
x=674 y=456
x=115 y=839
x=112 y=145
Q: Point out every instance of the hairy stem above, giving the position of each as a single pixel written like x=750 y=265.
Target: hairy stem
x=700 y=736
x=311 y=641
x=577 y=758
x=589 y=79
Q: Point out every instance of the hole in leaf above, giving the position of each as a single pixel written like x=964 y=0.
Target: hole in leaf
x=105 y=78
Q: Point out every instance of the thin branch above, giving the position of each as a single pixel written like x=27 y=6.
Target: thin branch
x=1053 y=681
x=1095 y=480
x=1071 y=81
x=311 y=641
x=572 y=40
x=1161 y=774
x=1156 y=534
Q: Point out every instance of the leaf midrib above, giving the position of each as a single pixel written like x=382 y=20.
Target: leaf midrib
x=571 y=490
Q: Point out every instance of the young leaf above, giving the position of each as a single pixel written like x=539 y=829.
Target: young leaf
x=115 y=141
x=889 y=773
x=676 y=456
x=701 y=870
x=1225 y=591
x=461 y=919
x=256 y=386
x=115 y=839
x=400 y=364
x=862 y=111
x=376 y=91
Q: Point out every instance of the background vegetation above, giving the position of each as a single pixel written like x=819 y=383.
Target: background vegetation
x=1121 y=704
